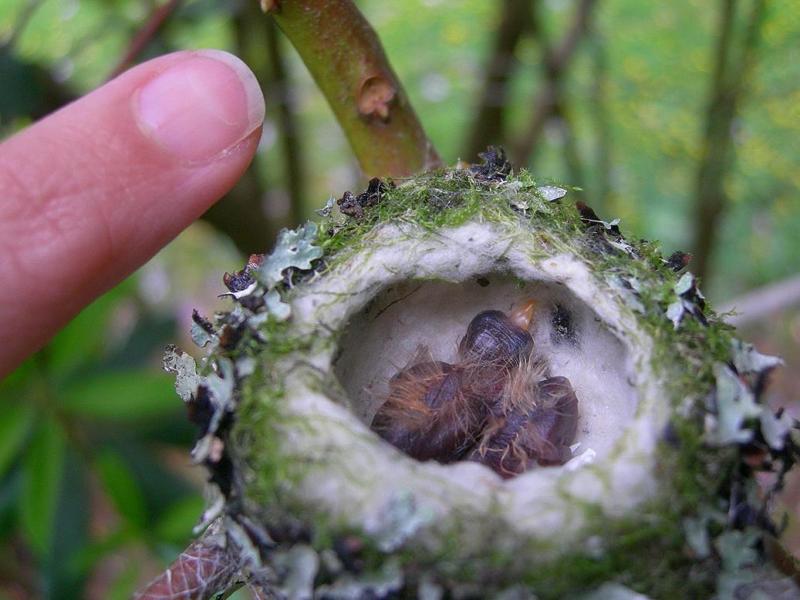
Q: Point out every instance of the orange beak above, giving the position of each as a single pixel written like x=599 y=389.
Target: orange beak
x=523 y=315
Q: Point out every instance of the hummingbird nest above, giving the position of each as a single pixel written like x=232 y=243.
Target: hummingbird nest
x=372 y=433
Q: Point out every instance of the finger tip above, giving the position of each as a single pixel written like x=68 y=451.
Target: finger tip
x=200 y=106
x=254 y=97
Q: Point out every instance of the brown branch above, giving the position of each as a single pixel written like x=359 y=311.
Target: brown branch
x=600 y=115
x=240 y=214
x=488 y=126
x=145 y=35
x=763 y=302
x=347 y=61
x=729 y=80
x=572 y=158
x=556 y=62
x=290 y=136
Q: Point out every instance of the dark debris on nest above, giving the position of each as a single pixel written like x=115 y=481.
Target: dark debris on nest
x=678 y=260
x=354 y=206
x=241 y=280
x=603 y=237
x=494 y=166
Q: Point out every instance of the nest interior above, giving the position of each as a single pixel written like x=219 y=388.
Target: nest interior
x=389 y=333
x=402 y=287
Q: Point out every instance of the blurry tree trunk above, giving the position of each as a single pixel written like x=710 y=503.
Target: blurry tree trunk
x=241 y=213
x=556 y=61
x=488 y=126
x=763 y=302
x=241 y=216
x=598 y=107
x=571 y=154
x=280 y=93
x=731 y=73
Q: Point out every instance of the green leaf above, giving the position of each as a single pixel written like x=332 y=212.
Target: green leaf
x=18 y=383
x=90 y=555
x=42 y=471
x=120 y=485
x=70 y=529
x=122 y=395
x=84 y=338
x=176 y=525
x=125 y=584
x=14 y=428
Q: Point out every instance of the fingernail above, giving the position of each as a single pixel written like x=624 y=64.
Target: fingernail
x=201 y=106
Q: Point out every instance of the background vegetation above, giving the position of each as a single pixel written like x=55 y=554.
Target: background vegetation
x=680 y=118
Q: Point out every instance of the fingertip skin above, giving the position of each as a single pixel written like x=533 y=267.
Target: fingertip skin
x=88 y=195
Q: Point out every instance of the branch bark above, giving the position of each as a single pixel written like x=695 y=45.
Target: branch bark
x=347 y=61
x=489 y=124
x=145 y=35
x=763 y=302
x=572 y=158
x=556 y=62
x=600 y=115
x=293 y=155
x=240 y=214
x=731 y=73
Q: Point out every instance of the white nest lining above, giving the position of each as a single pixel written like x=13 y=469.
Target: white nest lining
x=409 y=287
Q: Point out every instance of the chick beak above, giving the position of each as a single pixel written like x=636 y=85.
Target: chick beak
x=523 y=314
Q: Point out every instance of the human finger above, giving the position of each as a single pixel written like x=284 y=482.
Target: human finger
x=94 y=190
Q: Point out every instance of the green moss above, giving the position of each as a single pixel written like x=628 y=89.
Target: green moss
x=646 y=551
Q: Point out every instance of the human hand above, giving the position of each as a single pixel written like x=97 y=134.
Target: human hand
x=92 y=191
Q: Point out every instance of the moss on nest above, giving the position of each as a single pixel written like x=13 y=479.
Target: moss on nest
x=285 y=396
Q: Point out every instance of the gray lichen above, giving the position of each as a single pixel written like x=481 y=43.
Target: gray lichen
x=664 y=505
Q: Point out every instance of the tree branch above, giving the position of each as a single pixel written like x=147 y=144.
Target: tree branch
x=290 y=136
x=572 y=158
x=556 y=62
x=488 y=126
x=240 y=214
x=145 y=35
x=346 y=59
x=763 y=302
x=599 y=110
x=728 y=83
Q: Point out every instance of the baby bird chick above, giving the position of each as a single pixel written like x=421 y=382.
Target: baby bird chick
x=428 y=414
x=536 y=423
x=435 y=410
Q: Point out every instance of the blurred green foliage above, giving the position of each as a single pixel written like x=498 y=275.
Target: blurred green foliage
x=92 y=498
